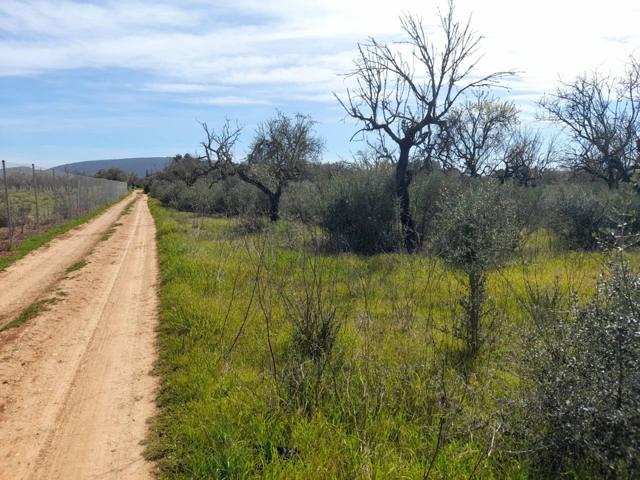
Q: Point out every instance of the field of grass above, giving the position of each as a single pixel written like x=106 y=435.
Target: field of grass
x=52 y=207
x=384 y=392
x=24 y=201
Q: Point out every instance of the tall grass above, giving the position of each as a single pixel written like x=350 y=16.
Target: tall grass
x=278 y=361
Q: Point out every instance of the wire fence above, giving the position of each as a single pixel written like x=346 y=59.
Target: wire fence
x=34 y=199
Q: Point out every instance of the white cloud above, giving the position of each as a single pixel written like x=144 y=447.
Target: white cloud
x=296 y=49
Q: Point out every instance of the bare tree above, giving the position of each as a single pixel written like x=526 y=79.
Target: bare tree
x=478 y=131
x=600 y=114
x=526 y=157
x=218 y=149
x=406 y=90
x=280 y=154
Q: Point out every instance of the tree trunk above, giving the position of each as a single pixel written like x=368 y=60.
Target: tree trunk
x=274 y=206
x=611 y=176
x=274 y=197
x=403 y=180
x=474 y=309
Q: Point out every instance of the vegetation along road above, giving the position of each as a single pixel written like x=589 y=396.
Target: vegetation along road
x=75 y=383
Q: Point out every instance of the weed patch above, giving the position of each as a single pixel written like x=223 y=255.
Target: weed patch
x=107 y=235
x=127 y=209
x=77 y=266
x=30 y=312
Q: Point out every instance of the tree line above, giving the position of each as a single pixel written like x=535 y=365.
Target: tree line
x=422 y=105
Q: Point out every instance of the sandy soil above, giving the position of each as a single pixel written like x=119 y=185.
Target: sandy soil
x=75 y=384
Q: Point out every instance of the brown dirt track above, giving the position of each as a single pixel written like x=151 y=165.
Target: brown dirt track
x=75 y=385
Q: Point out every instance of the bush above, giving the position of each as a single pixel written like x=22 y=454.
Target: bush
x=582 y=409
x=233 y=197
x=359 y=211
x=228 y=197
x=529 y=203
x=427 y=189
x=300 y=202
x=165 y=191
x=578 y=216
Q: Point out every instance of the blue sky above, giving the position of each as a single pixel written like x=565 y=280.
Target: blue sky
x=112 y=78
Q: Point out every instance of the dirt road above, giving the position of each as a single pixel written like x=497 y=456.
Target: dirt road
x=75 y=384
x=35 y=274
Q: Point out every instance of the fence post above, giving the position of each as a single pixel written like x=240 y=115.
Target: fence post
x=6 y=201
x=35 y=191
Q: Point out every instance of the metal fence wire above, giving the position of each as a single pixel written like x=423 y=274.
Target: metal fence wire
x=34 y=199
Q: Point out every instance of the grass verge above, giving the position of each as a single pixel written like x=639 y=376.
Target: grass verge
x=36 y=241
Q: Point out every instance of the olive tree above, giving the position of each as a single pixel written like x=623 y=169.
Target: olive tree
x=406 y=90
x=477 y=229
x=281 y=153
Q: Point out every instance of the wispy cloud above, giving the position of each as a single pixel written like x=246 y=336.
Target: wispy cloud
x=183 y=88
x=230 y=100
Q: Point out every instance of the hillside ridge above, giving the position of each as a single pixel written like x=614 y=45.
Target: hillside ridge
x=136 y=165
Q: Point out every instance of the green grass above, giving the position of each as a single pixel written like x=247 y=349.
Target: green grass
x=32 y=311
x=36 y=241
x=77 y=266
x=393 y=379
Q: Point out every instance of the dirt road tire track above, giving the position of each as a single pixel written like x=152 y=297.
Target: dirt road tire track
x=75 y=384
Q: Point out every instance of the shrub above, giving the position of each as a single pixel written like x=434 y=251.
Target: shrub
x=301 y=202
x=250 y=223
x=529 y=202
x=582 y=408
x=427 y=189
x=577 y=215
x=232 y=197
x=359 y=212
x=229 y=197
x=165 y=191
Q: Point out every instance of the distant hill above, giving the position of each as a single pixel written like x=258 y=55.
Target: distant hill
x=138 y=166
